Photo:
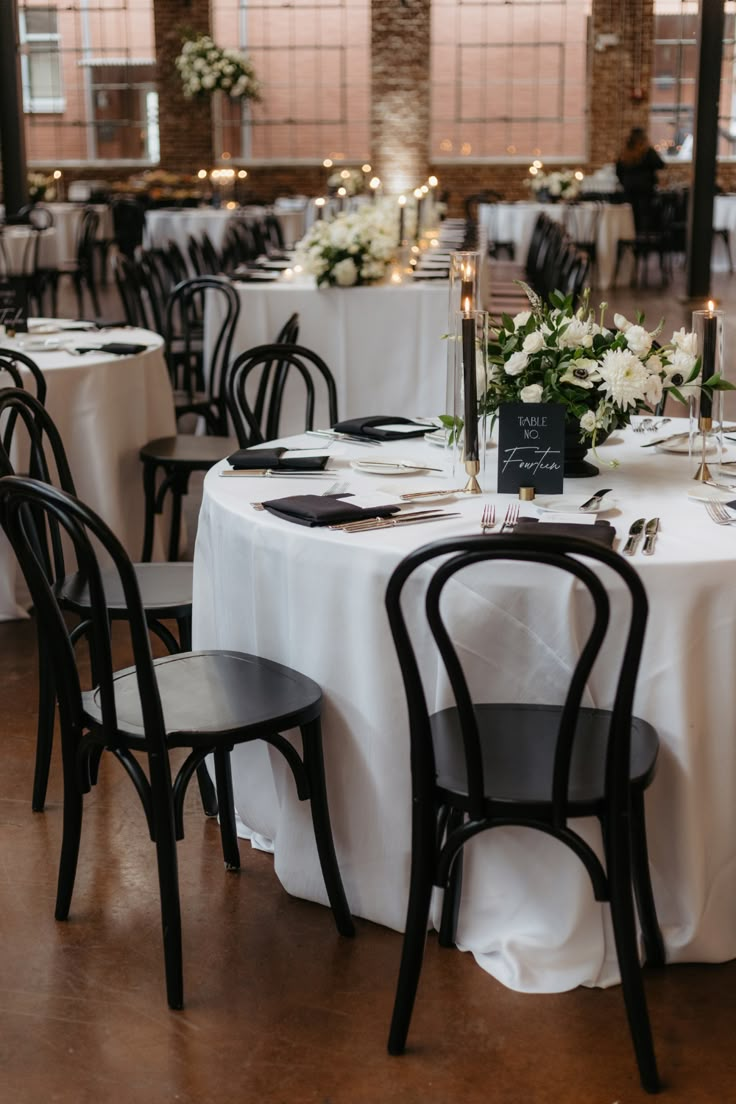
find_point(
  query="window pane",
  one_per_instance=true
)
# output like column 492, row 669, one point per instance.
column 509, row 79
column 40, row 21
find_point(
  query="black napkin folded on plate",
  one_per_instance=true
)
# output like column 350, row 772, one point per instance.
column 273, row 458
column 119, row 348
column 323, row 509
column 601, row 531
column 371, row 428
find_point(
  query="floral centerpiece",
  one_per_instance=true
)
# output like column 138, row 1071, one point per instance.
column 354, row 248
column 352, row 180
column 205, row 67
column 602, row 375
column 40, row 187
column 555, row 185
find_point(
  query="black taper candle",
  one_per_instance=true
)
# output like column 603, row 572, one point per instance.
column 470, row 387
column 708, row 367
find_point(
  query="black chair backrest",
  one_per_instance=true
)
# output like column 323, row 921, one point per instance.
column 176, row 263
column 255, row 385
column 137, row 308
column 46, row 462
column 156, row 286
column 128, row 220
column 183, row 333
column 210, row 255
column 11, row 362
column 25, row 501
column 273, row 232
column 289, row 332
column 579, row 560
column 87, row 238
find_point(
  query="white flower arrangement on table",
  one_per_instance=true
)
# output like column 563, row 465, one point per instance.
column 205, row 67
column 352, row 180
column 553, row 354
column 352, row 249
column 40, row 186
column 557, row 185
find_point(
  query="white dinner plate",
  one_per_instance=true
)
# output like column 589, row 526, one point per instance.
column 35, row 327
column 389, row 466
column 703, row 493
column 570, row 504
column 34, row 344
column 682, row 445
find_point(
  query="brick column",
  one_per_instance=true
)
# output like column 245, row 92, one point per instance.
column 185, row 126
column 620, row 75
column 400, row 99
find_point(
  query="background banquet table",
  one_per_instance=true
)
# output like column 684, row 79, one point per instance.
column 105, row 408
column 383, row 343
column 178, row 224
column 515, row 222
column 314, row 599
column 67, row 219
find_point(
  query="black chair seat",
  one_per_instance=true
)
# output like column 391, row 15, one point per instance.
column 518, row 744
column 191, row 452
column 206, row 693
column 165, row 589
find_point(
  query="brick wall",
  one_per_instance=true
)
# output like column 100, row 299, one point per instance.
column 618, row 99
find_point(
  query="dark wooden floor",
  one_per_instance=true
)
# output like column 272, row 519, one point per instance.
column 278, row 1007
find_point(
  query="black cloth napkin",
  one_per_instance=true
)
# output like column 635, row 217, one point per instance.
column 371, row 428
column 323, row 509
column 601, row 531
column 272, row 458
column 119, row 348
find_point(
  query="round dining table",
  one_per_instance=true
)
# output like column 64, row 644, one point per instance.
column 313, row 598
column 105, row 407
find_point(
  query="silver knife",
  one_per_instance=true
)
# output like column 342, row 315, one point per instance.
column 413, row 518
column 635, row 534
column 664, row 440
column 651, row 529
column 333, row 435
column 594, row 501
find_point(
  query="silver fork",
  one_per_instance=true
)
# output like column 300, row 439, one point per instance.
column 511, row 518
column 488, row 517
column 718, row 513
column 642, row 427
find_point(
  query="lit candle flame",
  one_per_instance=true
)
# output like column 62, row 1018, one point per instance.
column 467, row 305
column 711, row 306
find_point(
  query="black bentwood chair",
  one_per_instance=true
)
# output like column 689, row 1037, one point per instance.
column 478, row 765
column 203, row 701
column 165, row 589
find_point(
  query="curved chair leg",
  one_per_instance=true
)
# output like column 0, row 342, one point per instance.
column 632, row 982
column 72, row 826
column 415, row 933
column 645, row 906
column 168, row 878
column 315, row 768
column 228, row 833
column 453, row 890
column 45, row 731
column 149, row 491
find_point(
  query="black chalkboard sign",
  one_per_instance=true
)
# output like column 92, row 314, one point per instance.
column 531, row 447
column 13, row 307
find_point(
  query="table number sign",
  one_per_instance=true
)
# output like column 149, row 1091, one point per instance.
column 531, row 447
column 13, row 308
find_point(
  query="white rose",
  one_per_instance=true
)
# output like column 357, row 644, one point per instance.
column 532, row 393
column 638, row 340
column 516, row 364
column 574, row 335
column 345, row 272
column 208, row 81
column 654, row 364
column 688, row 342
column 533, row 342
column 339, row 234
column 588, row 421
column 521, row 319
column 621, row 323
column 653, row 390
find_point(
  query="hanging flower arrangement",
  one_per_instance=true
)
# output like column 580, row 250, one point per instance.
column 205, row 67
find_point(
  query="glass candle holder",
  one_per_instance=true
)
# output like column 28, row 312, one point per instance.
column 464, row 295
column 469, row 343
column 706, row 406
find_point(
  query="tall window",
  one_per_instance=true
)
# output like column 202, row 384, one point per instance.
column 313, row 60
column 89, row 89
column 674, row 75
column 509, row 80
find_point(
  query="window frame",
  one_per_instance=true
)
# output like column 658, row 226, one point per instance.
column 40, row 105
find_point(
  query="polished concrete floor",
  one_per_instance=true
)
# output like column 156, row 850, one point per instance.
column 279, row 1008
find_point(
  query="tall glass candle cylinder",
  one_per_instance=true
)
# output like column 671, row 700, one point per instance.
column 464, row 286
column 706, row 409
column 469, row 342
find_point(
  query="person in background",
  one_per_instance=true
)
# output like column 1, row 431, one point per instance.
column 637, row 169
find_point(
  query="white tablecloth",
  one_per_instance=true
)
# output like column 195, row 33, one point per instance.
column 18, row 250
column 178, row 224
column 515, row 222
column 724, row 218
column 105, row 407
column 314, row 599
column 67, row 219
column 382, row 343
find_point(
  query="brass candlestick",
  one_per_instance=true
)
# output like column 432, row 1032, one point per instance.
column 472, row 467
column 703, row 473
